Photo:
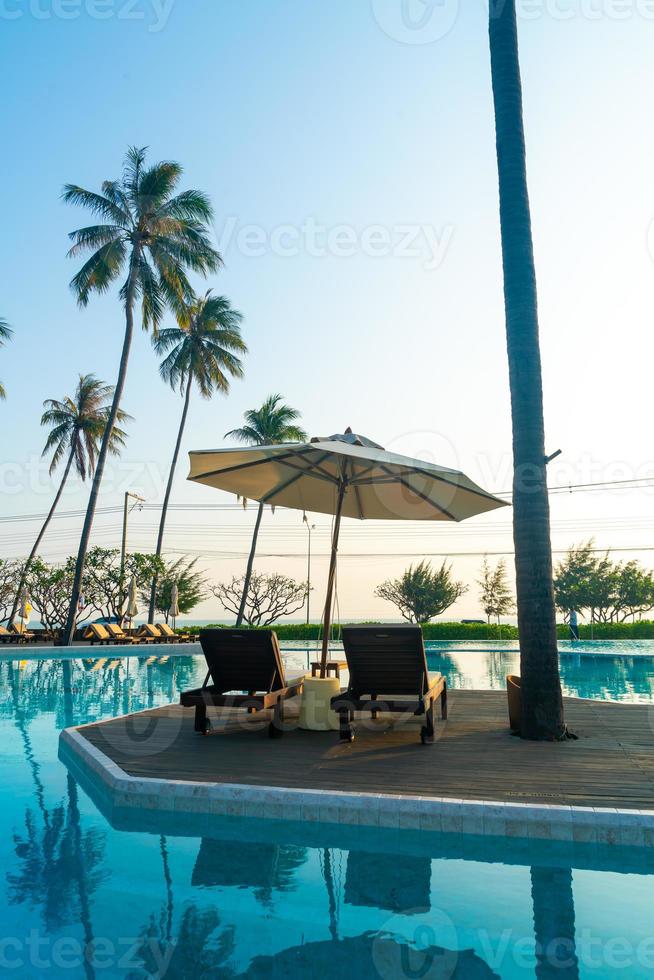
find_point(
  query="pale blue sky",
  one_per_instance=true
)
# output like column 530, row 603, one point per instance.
column 293, row 114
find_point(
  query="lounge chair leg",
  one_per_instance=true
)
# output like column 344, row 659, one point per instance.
column 444, row 703
column 276, row 726
column 375, row 714
column 427, row 731
column 202, row 723
column 346, row 731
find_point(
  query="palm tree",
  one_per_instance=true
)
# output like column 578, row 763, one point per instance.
column 5, row 334
column 269, row 425
column 201, row 349
column 77, row 426
column 542, row 703
column 153, row 237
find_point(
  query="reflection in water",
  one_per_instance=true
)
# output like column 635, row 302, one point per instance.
column 554, row 924
column 260, row 866
column 369, row 955
column 381, row 881
column 214, row 907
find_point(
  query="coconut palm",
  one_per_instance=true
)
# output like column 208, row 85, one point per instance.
column 271, row 424
column 542, row 703
column 5, row 334
column 153, row 237
column 77, row 426
column 203, row 350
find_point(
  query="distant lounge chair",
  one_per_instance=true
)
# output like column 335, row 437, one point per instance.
column 9, row 637
column 388, row 664
column 172, row 636
column 149, row 631
column 246, row 661
column 99, row 633
column 118, row 634
column 96, row 633
column 20, row 630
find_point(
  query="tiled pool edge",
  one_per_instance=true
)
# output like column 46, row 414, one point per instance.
column 536, row 821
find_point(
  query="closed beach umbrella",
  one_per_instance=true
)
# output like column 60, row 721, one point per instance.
column 347, row 476
column 25, row 608
column 174, row 603
column 132, row 608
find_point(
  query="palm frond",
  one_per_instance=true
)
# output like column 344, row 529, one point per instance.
column 97, row 274
column 93, row 237
column 97, row 203
column 5, row 331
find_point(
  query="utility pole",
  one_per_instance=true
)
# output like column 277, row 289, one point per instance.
column 310, row 528
column 138, row 502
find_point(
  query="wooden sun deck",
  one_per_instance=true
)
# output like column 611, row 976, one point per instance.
column 474, row 758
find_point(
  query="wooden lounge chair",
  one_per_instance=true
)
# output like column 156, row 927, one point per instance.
column 118, row 634
column 169, row 634
column 148, row 631
column 96, row 633
column 20, row 630
column 387, row 664
column 7, row 637
column 246, row 670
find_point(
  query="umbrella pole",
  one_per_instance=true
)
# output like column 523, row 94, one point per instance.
column 327, row 619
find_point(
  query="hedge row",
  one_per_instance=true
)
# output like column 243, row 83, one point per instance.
column 643, row 630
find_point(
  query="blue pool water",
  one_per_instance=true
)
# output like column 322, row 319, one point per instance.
column 168, row 898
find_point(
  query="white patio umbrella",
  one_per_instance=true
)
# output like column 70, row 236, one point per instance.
column 174, row 603
column 347, row 476
column 132, row 608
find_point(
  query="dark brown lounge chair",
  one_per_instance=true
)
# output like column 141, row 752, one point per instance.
column 246, row 671
column 388, row 672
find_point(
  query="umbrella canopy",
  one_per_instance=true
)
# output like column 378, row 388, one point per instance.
column 308, row 476
column 132, row 608
column 174, row 601
column 344, row 475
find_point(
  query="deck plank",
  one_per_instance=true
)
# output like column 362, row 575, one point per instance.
column 475, row 757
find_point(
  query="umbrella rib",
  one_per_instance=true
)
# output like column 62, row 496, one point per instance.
column 357, row 494
column 423, row 496
column 289, row 483
column 459, row 486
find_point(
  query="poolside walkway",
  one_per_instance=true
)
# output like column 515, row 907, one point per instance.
column 474, row 759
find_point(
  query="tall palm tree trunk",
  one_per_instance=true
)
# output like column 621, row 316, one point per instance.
column 248, row 570
column 169, row 487
column 542, row 703
column 69, row 630
column 44, row 527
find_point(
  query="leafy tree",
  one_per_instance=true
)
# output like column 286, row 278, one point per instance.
column 269, row 597
column 49, row 589
column 77, row 426
column 152, row 236
column 5, row 335
column 422, row 593
column 190, row 587
column 203, row 349
column 103, row 587
column 607, row 591
column 496, row 596
column 635, row 591
column 10, row 574
column 272, row 424
column 542, row 700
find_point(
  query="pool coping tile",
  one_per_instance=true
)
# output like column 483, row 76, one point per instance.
column 601, row 825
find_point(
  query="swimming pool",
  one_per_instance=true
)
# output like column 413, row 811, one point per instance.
column 247, row 899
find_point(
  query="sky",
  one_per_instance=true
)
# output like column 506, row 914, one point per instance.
column 348, row 149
